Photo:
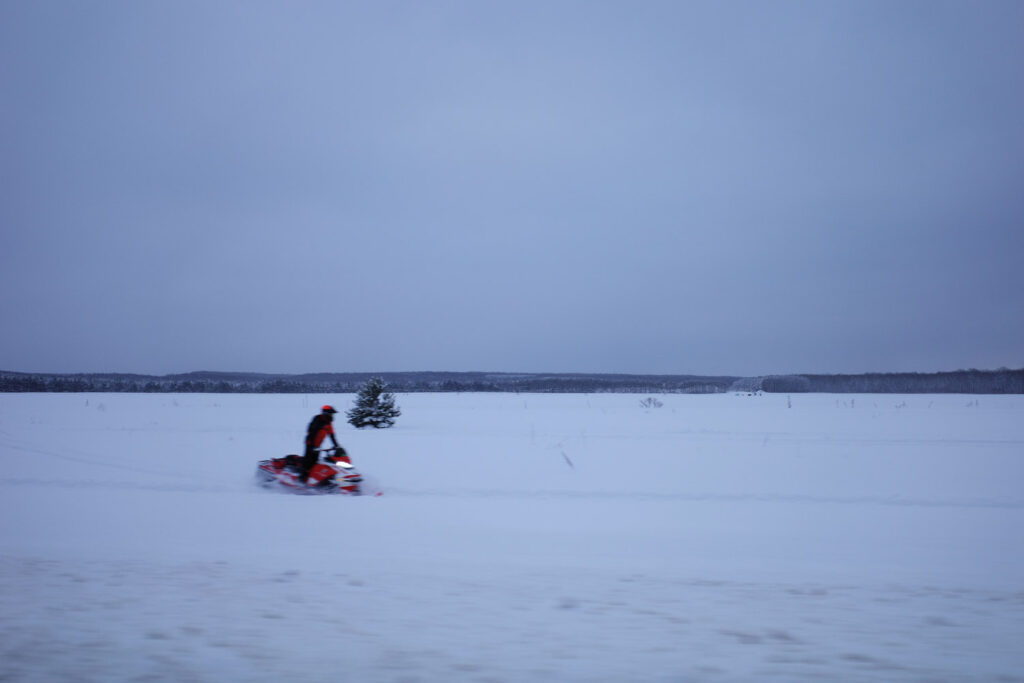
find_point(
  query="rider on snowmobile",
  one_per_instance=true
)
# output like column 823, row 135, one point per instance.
column 320, row 427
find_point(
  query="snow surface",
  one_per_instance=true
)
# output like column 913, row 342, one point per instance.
column 519, row 538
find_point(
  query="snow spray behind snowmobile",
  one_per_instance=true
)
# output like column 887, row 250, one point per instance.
column 332, row 473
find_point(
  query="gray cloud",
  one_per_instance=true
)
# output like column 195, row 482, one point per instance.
column 666, row 187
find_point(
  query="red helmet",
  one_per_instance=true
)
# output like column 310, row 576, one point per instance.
column 329, row 409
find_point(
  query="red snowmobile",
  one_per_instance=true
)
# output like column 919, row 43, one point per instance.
column 333, row 473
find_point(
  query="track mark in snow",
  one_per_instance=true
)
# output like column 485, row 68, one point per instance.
column 94, row 460
column 714, row 498
column 119, row 485
column 764, row 437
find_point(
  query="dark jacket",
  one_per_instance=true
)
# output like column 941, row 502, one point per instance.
column 319, row 429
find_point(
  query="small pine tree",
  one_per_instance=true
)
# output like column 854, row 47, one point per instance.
column 375, row 406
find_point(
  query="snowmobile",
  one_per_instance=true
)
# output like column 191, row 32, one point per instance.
column 332, row 473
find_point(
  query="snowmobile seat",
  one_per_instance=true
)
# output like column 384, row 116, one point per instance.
column 291, row 462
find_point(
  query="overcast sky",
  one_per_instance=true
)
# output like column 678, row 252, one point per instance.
column 637, row 186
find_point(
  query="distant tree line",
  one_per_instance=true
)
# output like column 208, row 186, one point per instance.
column 1002, row 381
column 341, row 383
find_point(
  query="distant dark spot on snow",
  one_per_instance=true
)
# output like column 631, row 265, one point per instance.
column 287, row 576
column 743, row 638
column 869, row 662
column 781, row 636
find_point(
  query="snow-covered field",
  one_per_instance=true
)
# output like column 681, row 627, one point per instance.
column 519, row 538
